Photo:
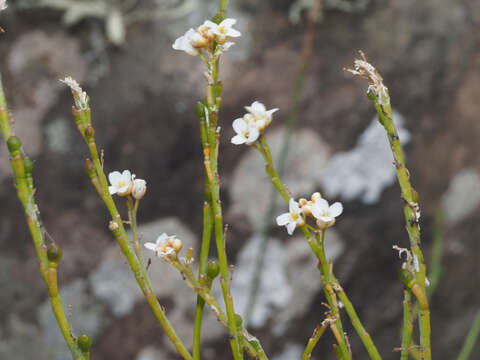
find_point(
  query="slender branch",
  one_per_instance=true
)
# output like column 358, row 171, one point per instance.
column 379, row 95
column 83, row 120
column 22, row 172
column 407, row 324
column 306, row 55
column 249, row 343
column 312, row 342
column 471, row 339
column 264, row 149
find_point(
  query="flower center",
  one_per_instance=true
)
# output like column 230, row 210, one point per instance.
column 222, row 29
column 121, row 184
column 294, row 216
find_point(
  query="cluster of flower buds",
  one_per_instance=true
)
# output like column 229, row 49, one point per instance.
column 317, row 208
column 252, row 124
column 210, row 36
column 125, row 183
column 167, row 246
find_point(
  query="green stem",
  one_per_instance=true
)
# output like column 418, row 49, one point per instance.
column 307, row 48
column 25, row 193
column 312, row 342
column 357, row 324
column 223, row 8
column 211, row 167
column 471, row 339
column 277, row 183
column 411, row 209
column 407, row 325
column 206, row 236
column 116, row 226
column 132, row 218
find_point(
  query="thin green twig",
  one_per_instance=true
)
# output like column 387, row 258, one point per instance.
column 306, row 55
column 471, row 339
column 25, row 192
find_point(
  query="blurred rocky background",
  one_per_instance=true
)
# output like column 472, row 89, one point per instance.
column 143, row 97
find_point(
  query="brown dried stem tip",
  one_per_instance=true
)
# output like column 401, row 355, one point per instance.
column 364, row 69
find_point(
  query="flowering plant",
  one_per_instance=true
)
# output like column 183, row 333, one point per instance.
column 313, row 217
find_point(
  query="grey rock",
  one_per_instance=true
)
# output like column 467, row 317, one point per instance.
column 22, row 341
column 289, row 352
column 251, row 188
column 462, row 196
column 366, row 170
column 289, row 276
column 151, row 353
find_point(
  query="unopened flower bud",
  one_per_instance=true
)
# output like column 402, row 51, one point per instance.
column 89, row 168
column 89, row 132
column 175, row 244
column 139, row 188
column 213, row 269
column 113, row 226
column 84, row 343
column 316, row 196
column 302, row 202
column 13, row 144
column 54, row 253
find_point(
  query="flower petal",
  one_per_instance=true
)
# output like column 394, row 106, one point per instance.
column 270, row 112
column 291, row 227
column 126, row 175
column 239, row 125
column 319, row 208
column 253, row 134
column 229, row 22
column 112, row 190
column 238, row 140
column 150, row 246
column 114, row 177
column 293, row 206
column 283, row 219
column 336, row 209
column 162, row 238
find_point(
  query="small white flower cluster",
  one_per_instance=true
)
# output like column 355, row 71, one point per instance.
column 166, row 246
column 3, row 5
column 80, row 97
column 366, row 70
column 124, row 184
column 252, row 124
column 210, row 36
column 317, row 208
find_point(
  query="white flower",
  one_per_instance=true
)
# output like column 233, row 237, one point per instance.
column 120, row 183
column 326, row 214
column 191, row 42
column 165, row 246
column 223, row 30
column 259, row 115
column 292, row 218
column 139, row 188
column 246, row 133
column 79, row 96
column 3, row 5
